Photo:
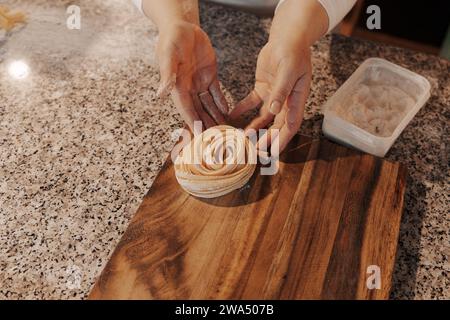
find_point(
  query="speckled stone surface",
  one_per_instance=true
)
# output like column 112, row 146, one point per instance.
column 83, row 136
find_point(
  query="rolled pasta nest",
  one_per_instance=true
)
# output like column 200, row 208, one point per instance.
column 216, row 162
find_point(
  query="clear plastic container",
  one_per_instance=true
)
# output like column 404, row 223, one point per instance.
column 374, row 72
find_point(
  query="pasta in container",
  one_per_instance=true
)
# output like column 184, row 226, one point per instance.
column 371, row 109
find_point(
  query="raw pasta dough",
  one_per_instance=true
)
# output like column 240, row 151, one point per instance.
column 216, row 162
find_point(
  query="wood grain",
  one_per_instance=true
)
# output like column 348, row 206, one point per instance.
column 308, row 232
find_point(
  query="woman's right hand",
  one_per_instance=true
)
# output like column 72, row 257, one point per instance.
column 188, row 70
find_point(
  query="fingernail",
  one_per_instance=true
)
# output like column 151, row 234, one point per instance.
column 164, row 90
column 160, row 91
column 166, row 87
column 275, row 107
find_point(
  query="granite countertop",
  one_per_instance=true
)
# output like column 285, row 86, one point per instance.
column 83, row 136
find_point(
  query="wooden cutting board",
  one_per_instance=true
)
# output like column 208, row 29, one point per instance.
column 309, row 232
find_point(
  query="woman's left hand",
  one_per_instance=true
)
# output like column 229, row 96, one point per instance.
column 283, row 72
column 283, row 79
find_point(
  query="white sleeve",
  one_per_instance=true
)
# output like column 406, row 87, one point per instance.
column 336, row 10
column 138, row 4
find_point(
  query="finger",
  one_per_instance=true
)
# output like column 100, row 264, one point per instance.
column 262, row 120
column 168, row 67
column 266, row 140
column 250, row 102
column 284, row 83
column 211, row 108
column 297, row 100
column 208, row 122
column 281, row 141
column 218, row 97
column 186, row 108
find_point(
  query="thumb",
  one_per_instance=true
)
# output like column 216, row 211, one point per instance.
column 168, row 67
column 284, row 83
